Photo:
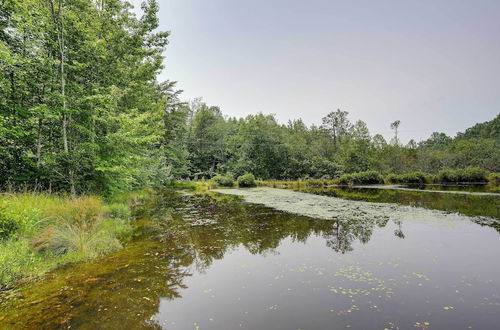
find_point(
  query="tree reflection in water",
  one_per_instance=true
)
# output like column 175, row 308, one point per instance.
column 178, row 236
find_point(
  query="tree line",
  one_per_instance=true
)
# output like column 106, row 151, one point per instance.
column 259, row 144
column 82, row 110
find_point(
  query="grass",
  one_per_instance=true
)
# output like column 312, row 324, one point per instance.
column 39, row 232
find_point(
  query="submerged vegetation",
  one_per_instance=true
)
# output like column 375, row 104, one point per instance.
column 39, row 232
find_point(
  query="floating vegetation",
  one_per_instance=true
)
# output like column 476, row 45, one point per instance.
column 329, row 208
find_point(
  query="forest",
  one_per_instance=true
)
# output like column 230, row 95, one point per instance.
column 82, row 111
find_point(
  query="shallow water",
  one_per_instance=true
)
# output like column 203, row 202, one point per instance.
column 216, row 262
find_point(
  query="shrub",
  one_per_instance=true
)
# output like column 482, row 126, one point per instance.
column 346, row 179
column 413, row 177
column 246, row 180
column 447, row 175
column 368, row 177
column 393, row 178
column 494, row 178
column 470, row 174
column 474, row 174
column 223, row 180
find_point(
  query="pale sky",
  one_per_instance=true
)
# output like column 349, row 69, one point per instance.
column 432, row 64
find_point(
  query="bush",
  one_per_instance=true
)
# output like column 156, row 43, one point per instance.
column 470, row 174
column 447, row 175
column 368, row 177
column 474, row 174
column 346, row 179
column 412, row 177
column 246, row 180
column 223, row 180
column 494, row 178
column 393, row 178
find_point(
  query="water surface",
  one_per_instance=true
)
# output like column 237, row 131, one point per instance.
column 217, row 262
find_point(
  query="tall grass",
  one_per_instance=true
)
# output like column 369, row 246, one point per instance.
column 39, row 232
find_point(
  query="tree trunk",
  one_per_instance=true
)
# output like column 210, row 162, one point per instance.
column 39, row 143
column 60, row 25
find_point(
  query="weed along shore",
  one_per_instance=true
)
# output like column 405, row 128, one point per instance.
column 41, row 232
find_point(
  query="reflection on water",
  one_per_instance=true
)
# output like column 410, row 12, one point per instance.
column 214, row 262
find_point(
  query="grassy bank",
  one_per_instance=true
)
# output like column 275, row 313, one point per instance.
column 39, row 232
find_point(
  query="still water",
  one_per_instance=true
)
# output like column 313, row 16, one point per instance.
column 218, row 262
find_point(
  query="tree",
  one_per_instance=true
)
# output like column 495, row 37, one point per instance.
column 395, row 127
column 336, row 124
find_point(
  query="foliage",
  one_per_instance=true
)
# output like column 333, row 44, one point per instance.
column 494, row 178
column 80, row 108
column 246, row 180
column 223, row 180
column 368, row 177
column 412, row 177
column 470, row 174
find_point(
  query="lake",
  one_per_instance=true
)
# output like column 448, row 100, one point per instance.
column 329, row 258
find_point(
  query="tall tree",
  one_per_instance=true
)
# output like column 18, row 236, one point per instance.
column 337, row 124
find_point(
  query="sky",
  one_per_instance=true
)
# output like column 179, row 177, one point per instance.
column 432, row 64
